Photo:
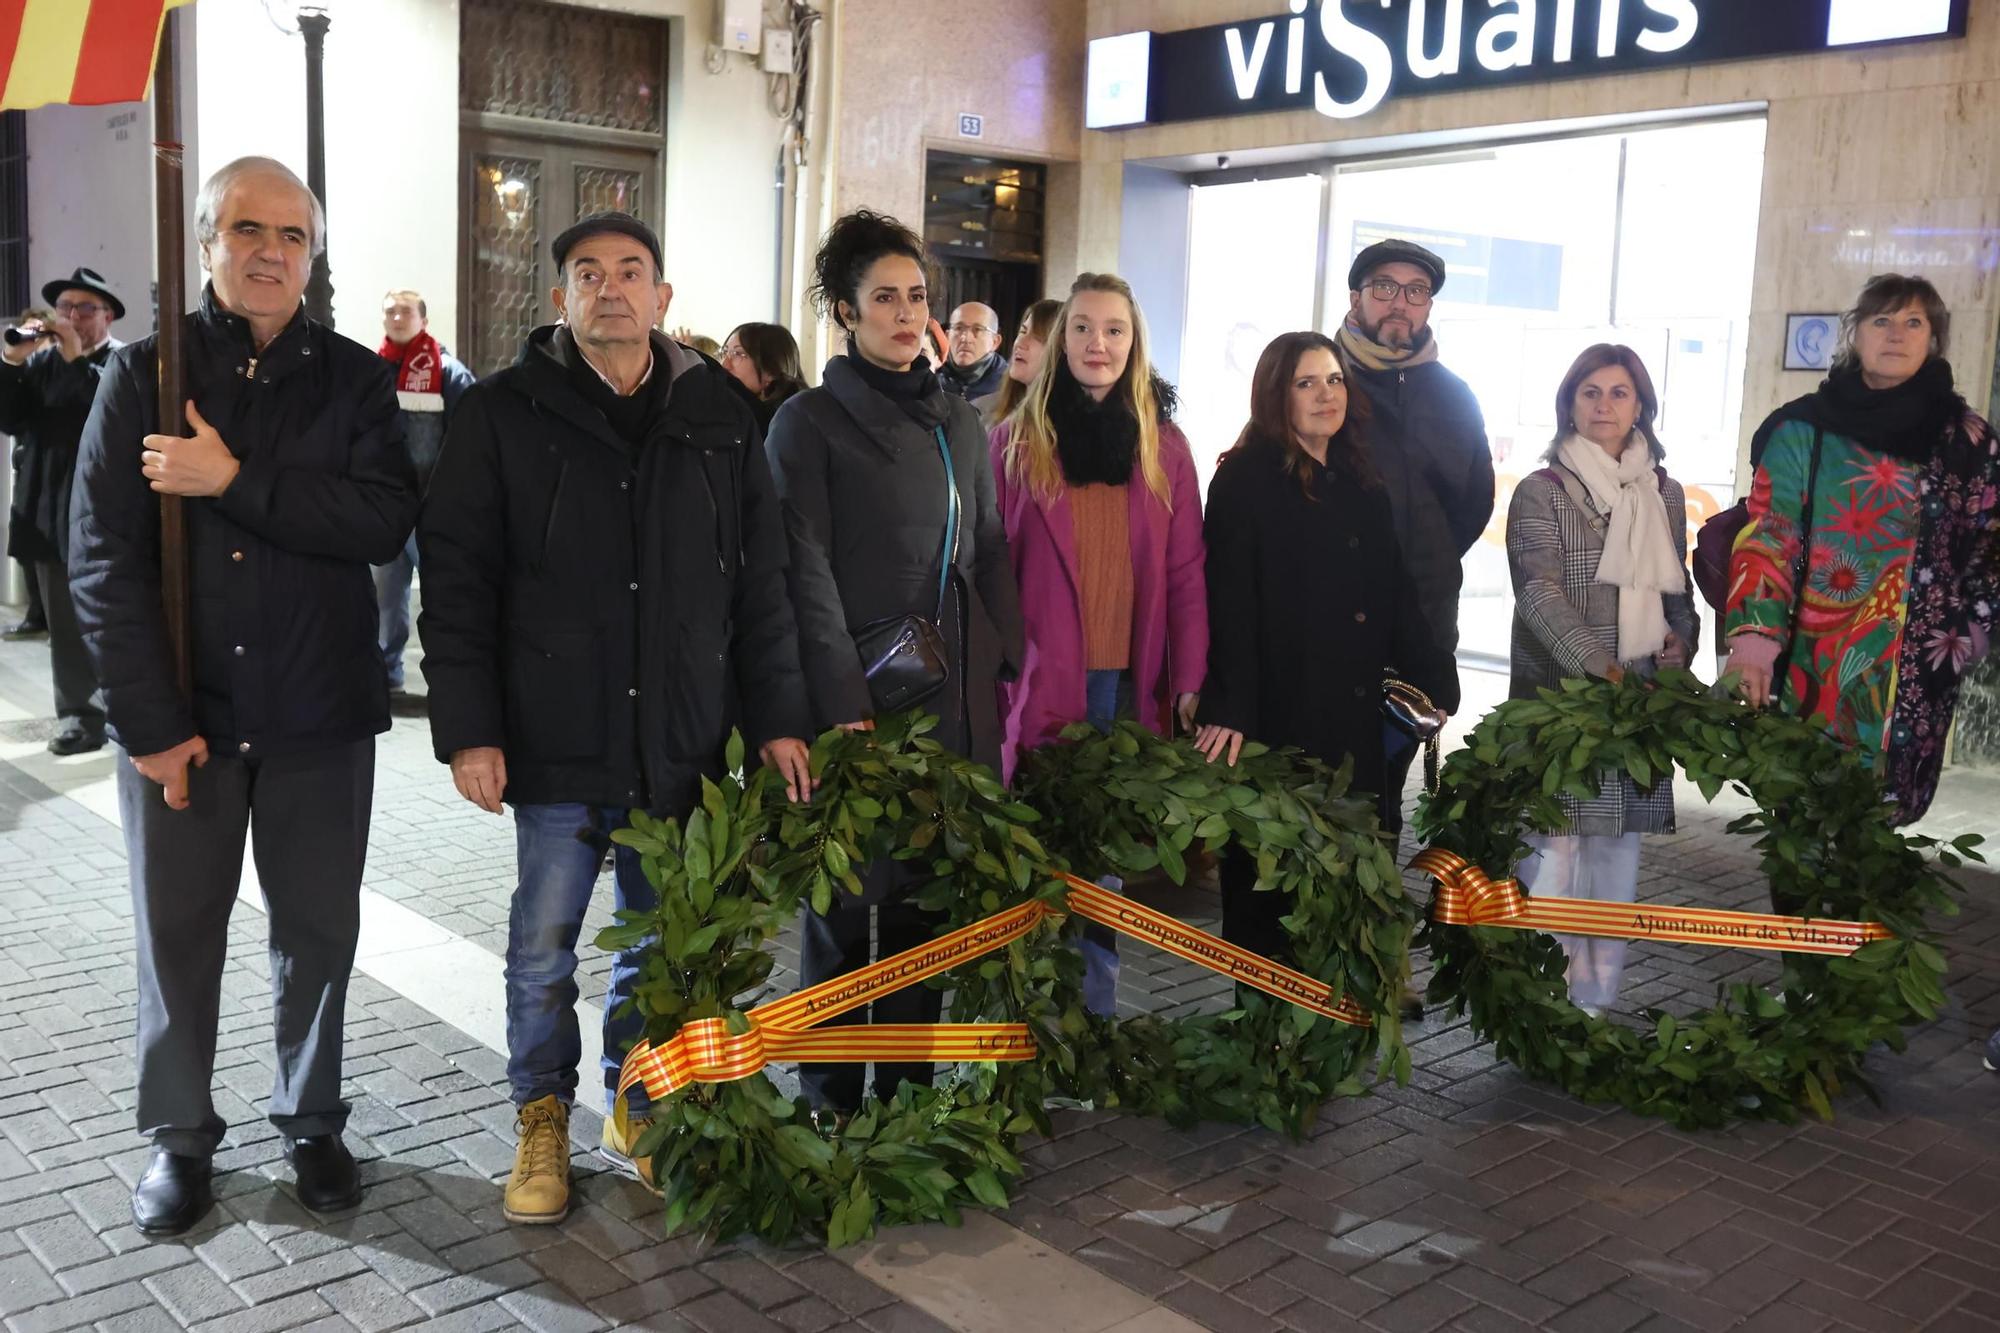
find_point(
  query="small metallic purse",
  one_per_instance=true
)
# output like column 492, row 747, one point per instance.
column 1410, row 711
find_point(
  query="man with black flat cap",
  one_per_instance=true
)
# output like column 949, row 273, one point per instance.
column 46, row 386
column 1428, row 440
column 604, row 600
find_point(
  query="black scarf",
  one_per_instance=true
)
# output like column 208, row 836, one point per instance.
column 629, row 416
column 909, row 389
column 1094, row 441
column 972, row 374
column 1911, row 421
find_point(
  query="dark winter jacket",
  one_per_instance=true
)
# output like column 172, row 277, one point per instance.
column 1309, row 606
column 605, row 613
column 1428, row 441
column 426, row 417
column 865, row 504
column 976, row 380
column 43, row 404
column 283, row 605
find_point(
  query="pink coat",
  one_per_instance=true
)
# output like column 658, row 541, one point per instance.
column 1169, row 600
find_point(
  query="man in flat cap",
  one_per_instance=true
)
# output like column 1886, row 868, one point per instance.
column 604, row 600
column 47, row 382
column 294, row 481
column 1428, row 439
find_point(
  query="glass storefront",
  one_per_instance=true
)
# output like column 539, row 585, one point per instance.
column 1642, row 237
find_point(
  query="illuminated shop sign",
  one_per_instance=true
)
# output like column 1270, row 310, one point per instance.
column 1345, row 58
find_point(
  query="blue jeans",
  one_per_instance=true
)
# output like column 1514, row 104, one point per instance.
column 1107, row 696
column 560, row 849
column 392, row 604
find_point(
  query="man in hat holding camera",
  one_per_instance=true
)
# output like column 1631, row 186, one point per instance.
column 1428, row 440
column 48, row 377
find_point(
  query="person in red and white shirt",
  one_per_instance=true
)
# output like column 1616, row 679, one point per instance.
column 428, row 383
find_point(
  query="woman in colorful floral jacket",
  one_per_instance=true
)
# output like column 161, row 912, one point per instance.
column 1892, row 478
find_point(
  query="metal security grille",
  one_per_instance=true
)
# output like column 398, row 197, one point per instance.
column 562, row 114
column 506, row 240
column 563, row 63
column 599, row 188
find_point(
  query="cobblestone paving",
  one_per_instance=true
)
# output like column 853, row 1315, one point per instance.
column 1471, row 1200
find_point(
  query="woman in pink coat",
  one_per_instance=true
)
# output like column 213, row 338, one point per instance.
column 1098, row 493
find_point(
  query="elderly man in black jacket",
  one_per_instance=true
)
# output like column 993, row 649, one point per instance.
column 296, row 482
column 1428, row 440
column 47, row 382
column 604, row 599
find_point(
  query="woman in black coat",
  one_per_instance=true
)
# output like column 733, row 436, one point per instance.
column 763, row 361
column 864, row 480
column 1310, row 603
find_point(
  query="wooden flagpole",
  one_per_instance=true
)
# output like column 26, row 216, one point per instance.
column 170, row 259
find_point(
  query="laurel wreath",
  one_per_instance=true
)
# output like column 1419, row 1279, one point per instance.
column 1825, row 841
column 739, row 1156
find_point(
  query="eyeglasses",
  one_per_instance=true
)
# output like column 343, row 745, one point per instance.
column 957, row 329
column 71, row 309
column 730, row 352
column 1388, row 289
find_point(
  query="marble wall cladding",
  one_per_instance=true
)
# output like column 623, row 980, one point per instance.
column 1976, row 734
column 908, row 71
column 1886, row 159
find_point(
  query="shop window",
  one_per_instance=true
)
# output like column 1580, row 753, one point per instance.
column 983, row 227
column 1253, row 247
column 1645, row 238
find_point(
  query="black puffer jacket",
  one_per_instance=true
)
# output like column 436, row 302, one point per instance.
column 865, row 504
column 1428, row 441
column 605, row 614
column 284, row 618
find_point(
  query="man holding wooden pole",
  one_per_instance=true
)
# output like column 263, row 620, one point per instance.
column 293, row 481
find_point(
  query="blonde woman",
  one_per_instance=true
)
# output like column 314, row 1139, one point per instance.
column 1102, row 510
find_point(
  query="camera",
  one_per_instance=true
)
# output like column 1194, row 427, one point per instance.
column 16, row 336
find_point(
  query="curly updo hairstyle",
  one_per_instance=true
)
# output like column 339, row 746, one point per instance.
column 851, row 245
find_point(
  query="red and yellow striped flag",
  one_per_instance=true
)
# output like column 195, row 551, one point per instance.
column 81, row 52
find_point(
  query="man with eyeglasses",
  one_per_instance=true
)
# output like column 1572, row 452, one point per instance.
column 974, row 366
column 47, row 381
column 1428, row 440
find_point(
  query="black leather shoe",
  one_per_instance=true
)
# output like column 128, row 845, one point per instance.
column 26, row 629
column 172, row 1195
column 328, row 1180
column 76, row 739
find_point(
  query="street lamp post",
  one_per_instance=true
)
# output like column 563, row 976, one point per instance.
column 313, row 23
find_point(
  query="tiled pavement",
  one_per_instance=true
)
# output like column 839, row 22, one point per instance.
column 1470, row 1200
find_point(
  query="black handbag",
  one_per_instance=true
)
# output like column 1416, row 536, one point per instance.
column 904, row 657
column 1410, row 711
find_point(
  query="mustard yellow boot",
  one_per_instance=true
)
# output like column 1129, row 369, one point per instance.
column 621, row 1134
column 538, row 1190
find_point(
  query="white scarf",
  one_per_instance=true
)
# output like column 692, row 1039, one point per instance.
column 1639, row 553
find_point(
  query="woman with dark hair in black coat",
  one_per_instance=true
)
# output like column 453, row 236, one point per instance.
column 763, row 361
column 867, row 465
column 1310, row 603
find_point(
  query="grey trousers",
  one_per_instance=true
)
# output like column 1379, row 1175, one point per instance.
column 306, row 816
column 77, row 697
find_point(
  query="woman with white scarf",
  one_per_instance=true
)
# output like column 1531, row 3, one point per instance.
column 1597, row 545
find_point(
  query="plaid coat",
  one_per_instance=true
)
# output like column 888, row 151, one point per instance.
column 1566, row 625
